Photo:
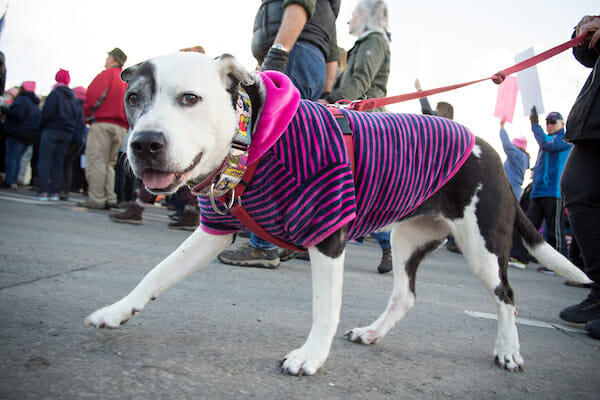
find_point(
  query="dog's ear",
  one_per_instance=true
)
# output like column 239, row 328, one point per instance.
column 127, row 73
column 232, row 72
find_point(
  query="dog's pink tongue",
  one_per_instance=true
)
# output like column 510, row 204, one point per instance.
column 157, row 179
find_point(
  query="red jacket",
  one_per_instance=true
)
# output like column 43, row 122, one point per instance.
column 104, row 98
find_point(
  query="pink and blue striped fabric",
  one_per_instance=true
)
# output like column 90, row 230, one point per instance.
column 303, row 190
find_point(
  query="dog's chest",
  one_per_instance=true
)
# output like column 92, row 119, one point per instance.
column 304, row 189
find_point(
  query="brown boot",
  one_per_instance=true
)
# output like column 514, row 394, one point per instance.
column 386, row 262
column 131, row 215
column 189, row 220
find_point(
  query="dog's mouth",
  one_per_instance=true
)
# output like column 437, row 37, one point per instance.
column 158, row 181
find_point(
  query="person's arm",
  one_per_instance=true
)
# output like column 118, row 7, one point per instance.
column 95, row 94
column 425, row 106
column 293, row 20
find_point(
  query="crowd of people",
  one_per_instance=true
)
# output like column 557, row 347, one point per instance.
column 298, row 38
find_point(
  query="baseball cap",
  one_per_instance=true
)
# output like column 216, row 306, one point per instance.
column 555, row 115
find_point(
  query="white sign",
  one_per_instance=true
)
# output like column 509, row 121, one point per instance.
column 529, row 85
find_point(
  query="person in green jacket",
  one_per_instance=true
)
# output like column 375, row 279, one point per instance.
column 366, row 77
column 368, row 69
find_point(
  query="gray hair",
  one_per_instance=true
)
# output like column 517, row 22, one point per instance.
column 376, row 13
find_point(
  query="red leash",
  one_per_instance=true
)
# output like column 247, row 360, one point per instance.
column 497, row 78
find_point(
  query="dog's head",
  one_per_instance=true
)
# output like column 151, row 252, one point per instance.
column 181, row 111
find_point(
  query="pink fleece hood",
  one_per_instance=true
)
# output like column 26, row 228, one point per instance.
column 281, row 102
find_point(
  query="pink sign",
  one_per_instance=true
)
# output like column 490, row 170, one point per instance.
column 507, row 99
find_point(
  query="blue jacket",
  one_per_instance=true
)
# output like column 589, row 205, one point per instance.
column 550, row 163
column 62, row 111
column 517, row 162
column 23, row 115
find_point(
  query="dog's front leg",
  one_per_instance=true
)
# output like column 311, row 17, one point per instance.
column 194, row 253
column 327, row 277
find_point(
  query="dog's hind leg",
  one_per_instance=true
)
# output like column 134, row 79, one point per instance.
column 327, row 264
column 485, row 242
column 411, row 241
column 194, row 253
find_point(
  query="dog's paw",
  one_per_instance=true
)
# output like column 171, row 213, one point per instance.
column 510, row 362
column 301, row 362
column 363, row 335
column 111, row 316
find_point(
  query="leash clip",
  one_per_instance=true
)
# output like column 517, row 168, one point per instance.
column 213, row 203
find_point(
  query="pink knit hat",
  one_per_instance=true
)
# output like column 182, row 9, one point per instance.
column 520, row 142
column 62, row 76
column 80, row 92
column 29, row 86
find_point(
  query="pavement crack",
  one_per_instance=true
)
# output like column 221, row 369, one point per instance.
column 51, row 276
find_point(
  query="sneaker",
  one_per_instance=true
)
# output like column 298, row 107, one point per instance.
column 587, row 310
column 513, row 262
column 386, row 262
column 53, row 197
column 287, row 254
column 131, row 215
column 593, row 328
column 41, row 197
column 189, row 221
column 248, row 256
column 545, row 270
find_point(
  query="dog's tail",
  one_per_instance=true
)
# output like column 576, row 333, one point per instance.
column 543, row 252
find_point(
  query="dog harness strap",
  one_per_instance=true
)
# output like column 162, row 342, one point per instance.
column 344, row 124
column 238, row 211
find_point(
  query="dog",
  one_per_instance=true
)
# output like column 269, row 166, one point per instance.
column 182, row 112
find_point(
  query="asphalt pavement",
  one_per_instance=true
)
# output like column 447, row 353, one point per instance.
column 220, row 333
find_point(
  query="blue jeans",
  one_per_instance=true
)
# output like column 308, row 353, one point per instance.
column 53, row 148
column 12, row 159
column 383, row 238
column 306, row 69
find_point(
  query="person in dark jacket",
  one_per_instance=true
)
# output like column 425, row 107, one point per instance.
column 62, row 119
column 296, row 37
column 21, row 129
column 580, row 183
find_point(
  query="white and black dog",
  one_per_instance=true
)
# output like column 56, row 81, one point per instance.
column 181, row 108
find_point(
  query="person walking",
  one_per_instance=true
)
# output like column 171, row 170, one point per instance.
column 62, row 119
column 580, row 182
column 105, row 112
column 297, row 38
column 21, row 128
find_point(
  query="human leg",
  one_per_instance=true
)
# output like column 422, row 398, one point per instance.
column 580, row 186
column 97, row 158
column 14, row 151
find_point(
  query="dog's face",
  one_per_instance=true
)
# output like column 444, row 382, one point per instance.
column 180, row 111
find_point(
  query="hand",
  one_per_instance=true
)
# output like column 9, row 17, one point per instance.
column 275, row 60
column 533, row 117
column 589, row 24
column 418, row 85
column 502, row 121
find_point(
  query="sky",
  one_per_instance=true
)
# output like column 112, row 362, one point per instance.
column 439, row 42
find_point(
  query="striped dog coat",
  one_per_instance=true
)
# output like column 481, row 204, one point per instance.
column 303, row 189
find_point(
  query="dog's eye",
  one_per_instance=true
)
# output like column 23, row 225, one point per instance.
column 188, row 99
column 132, row 99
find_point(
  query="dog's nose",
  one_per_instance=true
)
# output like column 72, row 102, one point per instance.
column 148, row 143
